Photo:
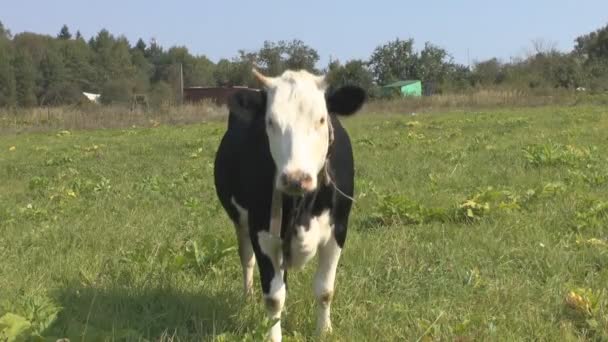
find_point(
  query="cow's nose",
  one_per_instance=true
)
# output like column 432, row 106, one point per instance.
column 296, row 181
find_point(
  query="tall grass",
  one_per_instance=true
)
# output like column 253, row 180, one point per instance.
column 482, row 99
column 91, row 116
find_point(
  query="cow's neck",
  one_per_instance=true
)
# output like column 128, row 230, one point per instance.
column 276, row 213
column 299, row 202
column 324, row 178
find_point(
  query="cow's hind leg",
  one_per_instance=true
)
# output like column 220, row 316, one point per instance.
column 329, row 255
column 245, row 249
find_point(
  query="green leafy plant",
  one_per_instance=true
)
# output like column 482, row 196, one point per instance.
column 588, row 308
column 29, row 319
column 14, row 328
column 552, row 154
column 193, row 257
column 398, row 209
column 593, row 214
column 149, row 183
column 544, row 155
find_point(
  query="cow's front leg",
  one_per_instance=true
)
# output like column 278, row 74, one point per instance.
column 247, row 258
column 272, row 278
column 325, row 277
column 245, row 247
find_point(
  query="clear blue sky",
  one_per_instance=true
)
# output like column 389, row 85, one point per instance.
column 342, row 29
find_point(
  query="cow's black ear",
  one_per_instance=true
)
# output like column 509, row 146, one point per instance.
column 248, row 104
column 346, row 100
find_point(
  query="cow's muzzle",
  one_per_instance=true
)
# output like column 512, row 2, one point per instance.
column 296, row 183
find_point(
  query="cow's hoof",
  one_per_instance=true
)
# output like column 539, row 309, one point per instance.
column 248, row 293
column 325, row 329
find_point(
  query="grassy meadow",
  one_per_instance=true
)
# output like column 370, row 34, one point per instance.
column 468, row 226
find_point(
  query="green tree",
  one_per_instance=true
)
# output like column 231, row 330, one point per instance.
column 64, row 33
column 241, row 74
column 596, row 74
column 236, row 72
column 200, row 72
column 155, row 55
column 53, row 83
column 36, row 45
column 112, row 57
column 4, row 32
column 271, row 58
column 274, row 58
column 222, row 72
column 593, row 45
column 144, row 70
column 77, row 56
column 488, row 72
column 393, row 61
column 25, row 78
column 161, row 93
column 7, row 77
column 458, row 78
column 141, row 45
column 555, row 69
column 118, row 91
column 197, row 70
column 300, row 56
column 432, row 66
column 7, row 84
column 592, row 49
column 53, row 79
column 354, row 72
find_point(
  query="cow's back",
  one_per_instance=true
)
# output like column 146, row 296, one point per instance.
column 227, row 162
column 244, row 170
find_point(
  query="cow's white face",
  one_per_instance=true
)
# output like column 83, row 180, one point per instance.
column 294, row 110
column 298, row 131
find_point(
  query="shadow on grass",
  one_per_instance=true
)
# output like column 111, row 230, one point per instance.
column 90, row 313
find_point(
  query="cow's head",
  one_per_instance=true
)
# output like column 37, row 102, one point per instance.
column 295, row 111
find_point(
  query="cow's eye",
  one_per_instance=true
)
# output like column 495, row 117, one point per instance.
column 322, row 121
column 270, row 123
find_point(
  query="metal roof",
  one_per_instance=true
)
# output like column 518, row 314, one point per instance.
column 400, row 83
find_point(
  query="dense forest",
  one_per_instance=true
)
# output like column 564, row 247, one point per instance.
column 42, row 70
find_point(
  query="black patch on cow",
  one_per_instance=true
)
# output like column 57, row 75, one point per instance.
column 248, row 104
column 346, row 100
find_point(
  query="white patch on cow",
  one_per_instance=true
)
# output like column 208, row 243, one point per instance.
column 245, row 249
column 275, row 301
column 325, row 277
column 271, row 246
column 304, row 243
column 296, row 124
column 304, row 246
column 243, row 213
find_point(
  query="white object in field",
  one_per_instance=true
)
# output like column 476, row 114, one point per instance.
column 92, row 97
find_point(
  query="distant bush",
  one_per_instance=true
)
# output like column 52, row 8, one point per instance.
column 117, row 92
column 161, row 93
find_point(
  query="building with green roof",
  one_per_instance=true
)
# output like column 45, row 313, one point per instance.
column 405, row 88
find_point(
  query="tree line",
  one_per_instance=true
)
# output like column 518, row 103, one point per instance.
column 42, row 70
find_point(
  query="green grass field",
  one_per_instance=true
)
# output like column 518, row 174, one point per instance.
column 470, row 226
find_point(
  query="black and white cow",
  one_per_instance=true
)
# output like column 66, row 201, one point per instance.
column 284, row 174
